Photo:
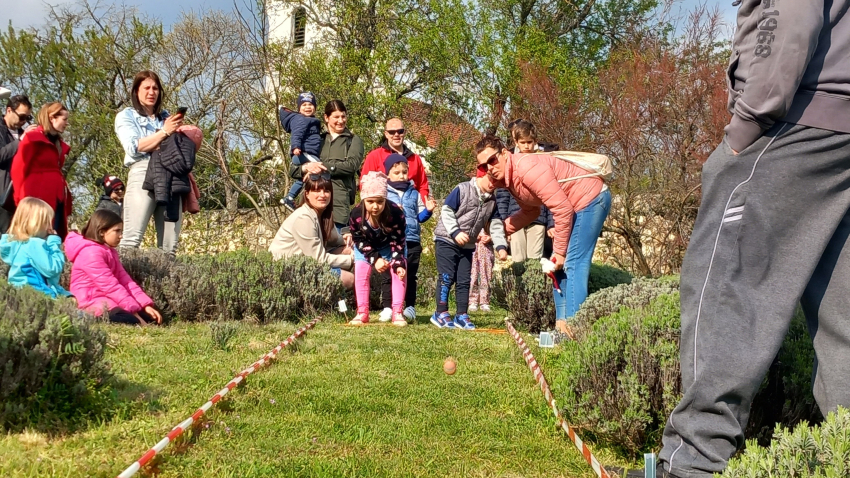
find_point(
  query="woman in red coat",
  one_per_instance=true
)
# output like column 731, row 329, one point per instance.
column 37, row 166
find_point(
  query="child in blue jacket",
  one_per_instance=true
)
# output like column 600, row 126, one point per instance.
column 402, row 191
column 306, row 138
column 33, row 250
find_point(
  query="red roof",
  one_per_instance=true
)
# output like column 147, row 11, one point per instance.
column 423, row 121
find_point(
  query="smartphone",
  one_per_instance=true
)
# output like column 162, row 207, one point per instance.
column 182, row 110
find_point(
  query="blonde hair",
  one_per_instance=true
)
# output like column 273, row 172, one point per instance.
column 33, row 218
column 46, row 113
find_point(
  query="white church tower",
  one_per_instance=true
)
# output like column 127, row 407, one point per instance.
column 289, row 25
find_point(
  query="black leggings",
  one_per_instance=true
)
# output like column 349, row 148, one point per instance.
column 121, row 316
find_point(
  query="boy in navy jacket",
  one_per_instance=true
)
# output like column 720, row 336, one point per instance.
column 306, row 139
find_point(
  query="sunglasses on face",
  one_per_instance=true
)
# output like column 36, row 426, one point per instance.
column 492, row 160
column 393, row 132
column 315, row 177
column 24, row 118
column 118, row 190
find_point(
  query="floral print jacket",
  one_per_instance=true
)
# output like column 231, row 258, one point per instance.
column 370, row 241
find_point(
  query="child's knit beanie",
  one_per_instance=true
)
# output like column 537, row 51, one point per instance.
column 373, row 185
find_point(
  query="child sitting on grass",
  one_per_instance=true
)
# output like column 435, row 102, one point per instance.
column 305, row 140
column 401, row 190
column 98, row 279
column 378, row 231
column 465, row 213
column 33, row 250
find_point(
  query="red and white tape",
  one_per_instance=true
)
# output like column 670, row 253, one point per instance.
column 180, row 428
column 544, row 387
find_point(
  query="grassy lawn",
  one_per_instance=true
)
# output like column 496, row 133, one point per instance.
column 344, row 401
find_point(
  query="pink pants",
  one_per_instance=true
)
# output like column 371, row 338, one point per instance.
column 362, row 271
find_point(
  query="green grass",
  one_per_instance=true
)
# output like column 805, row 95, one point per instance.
column 344, row 401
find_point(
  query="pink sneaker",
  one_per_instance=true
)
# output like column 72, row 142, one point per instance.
column 399, row 320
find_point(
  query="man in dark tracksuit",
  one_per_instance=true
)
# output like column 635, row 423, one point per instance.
column 17, row 114
column 772, row 230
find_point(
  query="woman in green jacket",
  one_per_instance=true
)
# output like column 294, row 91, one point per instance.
column 342, row 156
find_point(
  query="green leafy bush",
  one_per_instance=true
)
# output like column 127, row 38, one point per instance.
column 621, row 379
column 526, row 292
column 52, row 371
column 807, row 451
column 221, row 333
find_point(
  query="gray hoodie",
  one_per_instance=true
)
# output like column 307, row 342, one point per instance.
column 790, row 62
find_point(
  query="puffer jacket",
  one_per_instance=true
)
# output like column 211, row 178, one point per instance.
column 99, row 281
column 468, row 209
column 508, row 206
column 35, row 262
column 535, row 183
column 370, row 241
column 107, row 203
column 305, row 131
column 414, row 209
column 168, row 173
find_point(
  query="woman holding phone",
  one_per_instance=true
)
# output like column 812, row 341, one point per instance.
column 140, row 129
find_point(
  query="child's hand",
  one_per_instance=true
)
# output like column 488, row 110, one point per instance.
column 141, row 320
column 551, row 233
column 401, row 272
column 296, row 152
column 503, row 255
column 430, row 203
column 381, row 265
column 462, row 238
column 349, row 241
column 484, row 238
column 151, row 311
column 51, row 231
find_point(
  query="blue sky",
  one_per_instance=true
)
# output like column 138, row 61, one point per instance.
column 25, row 13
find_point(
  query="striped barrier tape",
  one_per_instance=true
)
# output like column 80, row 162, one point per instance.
column 185, row 424
column 550, row 399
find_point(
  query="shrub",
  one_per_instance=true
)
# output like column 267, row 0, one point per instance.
column 621, row 377
column 52, row 370
column 622, row 380
column 253, row 286
column 151, row 269
column 526, row 292
column 819, row 451
column 221, row 333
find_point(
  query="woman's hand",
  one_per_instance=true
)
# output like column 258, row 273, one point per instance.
column 349, row 241
column 401, row 272
column 558, row 259
column 381, row 265
column 313, row 168
column 151, row 311
column 172, row 123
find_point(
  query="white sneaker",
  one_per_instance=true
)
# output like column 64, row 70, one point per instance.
column 485, row 307
column 473, row 308
column 386, row 315
column 410, row 312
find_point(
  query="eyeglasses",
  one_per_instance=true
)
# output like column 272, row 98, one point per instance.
column 393, row 132
column 315, row 177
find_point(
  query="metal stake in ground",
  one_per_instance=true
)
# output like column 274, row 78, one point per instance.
column 182, row 426
column 550, row 400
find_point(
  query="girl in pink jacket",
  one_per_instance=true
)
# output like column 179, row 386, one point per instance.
column 98, row 280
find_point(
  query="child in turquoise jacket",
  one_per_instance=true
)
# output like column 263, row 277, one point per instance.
column 33, row 250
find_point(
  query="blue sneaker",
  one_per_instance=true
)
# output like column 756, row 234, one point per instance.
column 462, row 322
column 442, row 321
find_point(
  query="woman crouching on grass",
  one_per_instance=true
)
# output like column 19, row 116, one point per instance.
column 99, row 281
column 310, row 230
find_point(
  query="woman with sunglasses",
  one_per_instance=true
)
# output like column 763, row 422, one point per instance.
column 310, row 230
column 579, row 202
column 341, row 156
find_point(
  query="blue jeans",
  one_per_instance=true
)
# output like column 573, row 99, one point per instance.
column 587, row 225
column 386, row 253
column 300, row 160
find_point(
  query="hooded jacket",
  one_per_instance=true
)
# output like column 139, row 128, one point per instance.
column 99, row 281
column 343, row 157
column 35, row 262
column 305, row 131
column 788, row 63
column 375, row 162
column 535, row 183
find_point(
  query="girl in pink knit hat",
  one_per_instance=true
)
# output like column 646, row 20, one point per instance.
column 378, row 231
